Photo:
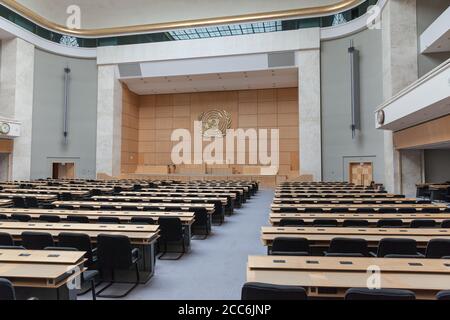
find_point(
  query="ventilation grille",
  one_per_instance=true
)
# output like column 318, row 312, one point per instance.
column 130, row 70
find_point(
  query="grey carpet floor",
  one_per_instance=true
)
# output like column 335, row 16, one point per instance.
column 215, row 268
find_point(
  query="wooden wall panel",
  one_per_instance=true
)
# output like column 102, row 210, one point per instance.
column 426, row 134
column 6, row 146
column 152, row 118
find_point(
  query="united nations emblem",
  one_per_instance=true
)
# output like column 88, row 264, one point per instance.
column 215, row 123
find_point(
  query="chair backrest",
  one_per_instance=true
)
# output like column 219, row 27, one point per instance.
column 349, row 246
column 438, row 248
column 387, row 210
column 108, row 208
column 407, row 210
column 21, row 217
column 49, row 218
column 6, row 239
column 96, row 192
column 263, row 291
column 445, row 224
column 142, row 220
column 80, row 241
column 431, row 210
column 285, row 244
column 109, row 220
column 378, row 294
column 170, row 228
column 365, row 210
column 314, row 210
column 3, row 217
column 32, row 202
column 389, row 246
column 66, row 196
column 7, row 291
column 78, row 219
column 325, row 223
column 423, row 223
column 201, row 216
column 389, row 223
column 339, row 210
column 443, row 295
column 355, row 223
column 292, row 222
column 114, row 251
column 288, row 209
column 37, row 240
column 19, row 202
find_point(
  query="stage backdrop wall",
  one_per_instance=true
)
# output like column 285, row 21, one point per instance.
column 148, row 122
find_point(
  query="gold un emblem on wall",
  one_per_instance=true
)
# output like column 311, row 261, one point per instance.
column 215, row 123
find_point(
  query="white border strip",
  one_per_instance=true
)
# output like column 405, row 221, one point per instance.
column 53, row 47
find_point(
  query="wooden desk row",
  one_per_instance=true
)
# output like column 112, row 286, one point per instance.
column 350, row 200
column 306, row 195
column 38, row 196
column 5, row 202
column 44, row 274
column 78, row 193
column 322, row 236
column 329, row 277
column 275, row 218
column 354, row 207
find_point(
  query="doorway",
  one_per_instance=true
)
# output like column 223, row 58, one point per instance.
column 4, row 166
column 361, row 173
column 63, row 170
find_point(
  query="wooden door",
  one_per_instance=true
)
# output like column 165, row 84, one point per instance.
column 361, row 173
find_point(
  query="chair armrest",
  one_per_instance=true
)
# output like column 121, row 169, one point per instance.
column 135, row 255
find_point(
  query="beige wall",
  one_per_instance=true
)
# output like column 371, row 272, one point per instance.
column 159, row 115
column 130, row 130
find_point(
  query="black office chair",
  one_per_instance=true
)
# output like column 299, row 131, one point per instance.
column 365, row 210
column 431, row 210
column 443, row 295
column 3, row 217
column 438, row 248
column 171, row 230
column 355, row 223
column 313, row 210
column 407, row 210
column 21, row 217
column 130, row 208
column 347, row 247
column 66, row 207
column 66, row 196
column 115, row 252
column 327, row 223
column 389, row 223
column 7, row 291
column 85, row 207
column 78, row 219
column 262, row 291
column 445, row 224
column 110, row 220
column 19, row 202
column 47, row 206
column 81, row 242
column 32, row 202
column 390, row 247
column 378, row 294
column 49, row 218
column 284, row 246
column 288, row 210
column 387, row 210
column 292, row 223
column 96, row 192
column 339, row 210
column 6, row 239
column 117, row 190
column 202, row 221
column 108, row 208
column 423, row 223
column 37, row 240
column 142, row 220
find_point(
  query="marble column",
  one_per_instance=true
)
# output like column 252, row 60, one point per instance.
column 310, row 123
column 109, row 121
column 399, row 41
column 16, row 99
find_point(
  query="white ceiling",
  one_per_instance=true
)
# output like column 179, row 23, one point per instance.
column 264, row 79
